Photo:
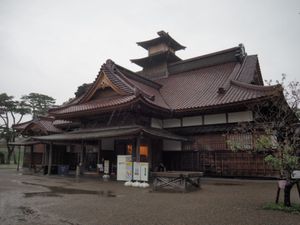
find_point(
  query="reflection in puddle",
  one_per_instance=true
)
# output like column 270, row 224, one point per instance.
column 40, row 194
column 56, row 191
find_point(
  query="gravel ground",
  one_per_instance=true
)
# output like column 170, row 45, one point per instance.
column 36, row 200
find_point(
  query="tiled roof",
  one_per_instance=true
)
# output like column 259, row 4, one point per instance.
column 209, row 86
column 195, row 88
column 95, row 104
column 48, row 126
column 156, row 57
column 21, row 126
column 200, row 88
column 163, row 38
column 44, row 123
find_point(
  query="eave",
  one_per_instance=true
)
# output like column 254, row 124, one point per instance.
column 156, row 58
column 163, row 38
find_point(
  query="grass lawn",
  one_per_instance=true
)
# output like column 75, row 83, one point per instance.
column 8, row 166
column 295, row 208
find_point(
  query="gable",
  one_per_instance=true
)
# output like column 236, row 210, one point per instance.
column 34, row 128
column 103, row 86
column 105, row 92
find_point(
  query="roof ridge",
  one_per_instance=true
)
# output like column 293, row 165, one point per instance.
column 72, row 102
column 232, row 76
column 135, row 89
column 111, row 66
column 139, row 78
column 245, row 61
column 235, row 54
column 206, row 55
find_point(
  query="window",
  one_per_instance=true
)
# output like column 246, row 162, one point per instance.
column 144, row 153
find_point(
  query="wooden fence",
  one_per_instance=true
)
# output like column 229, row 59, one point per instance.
column 219, row 163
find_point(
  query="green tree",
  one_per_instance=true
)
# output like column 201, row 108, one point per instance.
column 82, row 89
column 39, row 103
column 11, row 113
column 278, row 125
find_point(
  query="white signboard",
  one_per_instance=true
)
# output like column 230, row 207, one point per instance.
column 106, row 166
column 144, row 171
column 100, row 167
column 123, row 167
column 125, row 172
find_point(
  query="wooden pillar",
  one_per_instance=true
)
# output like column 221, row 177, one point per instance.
column 137, row 149
column 44, row 155
column 50, row 159
column 99, row 152
column 133, row 158
column 31, row 157
column 82, row 158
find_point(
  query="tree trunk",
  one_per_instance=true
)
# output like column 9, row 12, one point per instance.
column 9, row 154
column 10, row 151
column 15, row 158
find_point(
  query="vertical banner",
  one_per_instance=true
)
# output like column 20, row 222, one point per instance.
column 136, row 171
column 129, row 171
column 144, row 170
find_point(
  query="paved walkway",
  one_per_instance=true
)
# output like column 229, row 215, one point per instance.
column 36, row 200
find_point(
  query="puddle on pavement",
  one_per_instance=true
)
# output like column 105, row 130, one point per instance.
column 40, row 194
column 57, row 191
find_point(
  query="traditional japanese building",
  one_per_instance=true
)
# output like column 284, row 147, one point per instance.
column 173, row 111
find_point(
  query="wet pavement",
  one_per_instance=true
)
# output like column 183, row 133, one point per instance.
column 38, row 199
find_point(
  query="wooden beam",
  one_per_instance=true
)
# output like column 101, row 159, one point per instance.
column 99, row 152
column 19, row 154
column 137, row 148
column 31, row 157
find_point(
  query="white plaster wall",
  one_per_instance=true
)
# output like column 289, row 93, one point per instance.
column 171, row 123
column 156, row 123
column 192, row 121
column 240, row 116
column 215, row 118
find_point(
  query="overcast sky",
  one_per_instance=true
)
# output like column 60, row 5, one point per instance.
column 52, row 47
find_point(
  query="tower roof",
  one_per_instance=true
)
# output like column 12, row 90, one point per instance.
column 169, row 56
column 165, row 38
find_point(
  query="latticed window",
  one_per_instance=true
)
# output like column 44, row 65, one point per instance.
column 240, row 141
column 210, row 142
column 213, row 142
